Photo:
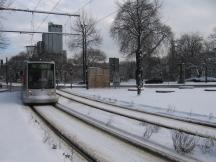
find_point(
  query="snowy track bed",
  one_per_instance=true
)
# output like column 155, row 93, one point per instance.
column 185, row 117
column 96, row 142
column 83, row 156
column 150, row 136
column 207, row 130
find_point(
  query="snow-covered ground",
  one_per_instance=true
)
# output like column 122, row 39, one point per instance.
column 153, row 134
column 23, row 137
column 3, row 89
column 191, row 101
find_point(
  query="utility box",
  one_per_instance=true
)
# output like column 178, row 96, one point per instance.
column 98, row 77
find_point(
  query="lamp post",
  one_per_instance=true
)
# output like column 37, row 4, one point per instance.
column 30, row 51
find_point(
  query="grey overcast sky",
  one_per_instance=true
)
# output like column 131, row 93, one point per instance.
column 182, row 16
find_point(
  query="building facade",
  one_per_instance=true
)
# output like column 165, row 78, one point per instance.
column 53, row 43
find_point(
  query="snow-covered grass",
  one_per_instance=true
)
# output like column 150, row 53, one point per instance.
column 3, row 89
column 23, row 136
column 196, row 103
column 164, row 137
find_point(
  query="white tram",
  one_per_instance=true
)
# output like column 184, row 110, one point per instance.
column 39, row 83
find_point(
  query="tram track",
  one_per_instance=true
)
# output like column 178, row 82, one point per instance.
column 189, row 120
column 156, row 151
column 193, row 127
column 62, row 136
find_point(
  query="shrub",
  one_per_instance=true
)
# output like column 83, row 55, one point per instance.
column 207, row 145
column 149, row 129
column 182, row 142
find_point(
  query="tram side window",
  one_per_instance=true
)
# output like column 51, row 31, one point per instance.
column 41, row 76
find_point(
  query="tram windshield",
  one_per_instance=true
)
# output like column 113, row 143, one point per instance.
column 40, row 76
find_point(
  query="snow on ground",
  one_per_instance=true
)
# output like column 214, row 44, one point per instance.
column 105, row 147
column 3, row 90
column 191, row 101
column 148, row 132
column 21, row 139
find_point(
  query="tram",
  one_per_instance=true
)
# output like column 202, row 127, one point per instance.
column 39, row 83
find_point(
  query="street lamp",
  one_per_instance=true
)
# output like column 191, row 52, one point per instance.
column 30, row 51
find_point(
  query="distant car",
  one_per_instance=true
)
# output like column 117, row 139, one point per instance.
column 154, row 81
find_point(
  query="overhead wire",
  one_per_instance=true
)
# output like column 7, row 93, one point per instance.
column 32, row 22
column 57, row 3
column 105, row 17
column 84, row 5
column 36, row 6
column 69, row 18
column 11, row 3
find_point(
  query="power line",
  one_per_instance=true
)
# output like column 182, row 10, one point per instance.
column 48, row 15
column 11, row 3
column 84, row 5
column 69, row 18
column 32, row 21
column 108, row 15
column 35, row 32
column 39, row 11
column 37, row 4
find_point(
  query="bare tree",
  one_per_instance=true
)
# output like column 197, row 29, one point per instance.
column 3, row 40
column 213, row 35
column 189, row 45
column 139, row 31
column 211, row 42
column 88, row 24
column 89, row 37
column 95, row 56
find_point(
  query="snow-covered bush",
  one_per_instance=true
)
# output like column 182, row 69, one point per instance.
column 68, row 156
column 207, row 145
column 171, row 108
column 182, row 142
column 149, row 129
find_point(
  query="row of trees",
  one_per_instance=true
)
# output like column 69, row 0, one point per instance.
column 137, row 28
column 192, row 50
column 3, row 40
column 140, row 33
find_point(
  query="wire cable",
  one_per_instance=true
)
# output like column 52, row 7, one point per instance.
column 36, row 6
column 57, row 3
column 11, row 3
column 105, row 17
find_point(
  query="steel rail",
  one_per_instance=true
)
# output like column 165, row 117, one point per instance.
column 189, row 120
column 78, row 149
column 151, row 119
column 154, row 149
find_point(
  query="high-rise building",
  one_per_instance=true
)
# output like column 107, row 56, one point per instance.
column 53, row 43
